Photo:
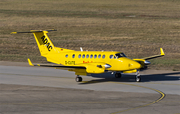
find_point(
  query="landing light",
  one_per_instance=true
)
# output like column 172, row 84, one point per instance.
column 147, row 62
column 107, row 66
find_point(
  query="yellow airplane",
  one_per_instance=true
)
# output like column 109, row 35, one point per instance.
column 87, row 62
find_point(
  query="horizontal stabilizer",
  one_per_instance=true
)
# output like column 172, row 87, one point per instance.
column 34, row 31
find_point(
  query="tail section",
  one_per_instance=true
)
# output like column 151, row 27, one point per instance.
column 45, row 45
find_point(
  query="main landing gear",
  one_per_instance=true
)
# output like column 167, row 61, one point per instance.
column 118, row 75
column 138, row 78
column 78, row 78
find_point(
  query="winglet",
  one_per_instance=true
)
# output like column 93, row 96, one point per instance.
column 30, row 63
column 13, row 32
column 162, row 52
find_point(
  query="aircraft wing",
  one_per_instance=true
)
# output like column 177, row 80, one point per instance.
column 57, row 66
column 155, row 56
column 152, row 57
column 81, row 69
column 144, row 62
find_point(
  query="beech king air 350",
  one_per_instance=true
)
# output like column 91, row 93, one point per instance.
column 87, row 62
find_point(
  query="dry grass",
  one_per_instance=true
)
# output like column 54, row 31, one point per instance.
column 136, row 27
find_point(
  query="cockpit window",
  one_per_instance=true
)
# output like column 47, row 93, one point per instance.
column 118, row 55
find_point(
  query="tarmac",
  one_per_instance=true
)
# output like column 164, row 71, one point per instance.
column 38, row 90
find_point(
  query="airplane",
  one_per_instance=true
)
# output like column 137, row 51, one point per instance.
column 87, row 62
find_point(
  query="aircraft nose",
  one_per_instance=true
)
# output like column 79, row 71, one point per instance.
column 135, row 65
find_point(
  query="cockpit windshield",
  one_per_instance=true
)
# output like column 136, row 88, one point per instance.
column 118, row 55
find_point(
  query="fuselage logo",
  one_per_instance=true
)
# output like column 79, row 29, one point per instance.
column 45, row 41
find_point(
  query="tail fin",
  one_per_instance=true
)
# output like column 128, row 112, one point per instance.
column 44, row 43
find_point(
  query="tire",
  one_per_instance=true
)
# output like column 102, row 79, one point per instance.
column 138, row 79
column 118, row 75
column 78, row 79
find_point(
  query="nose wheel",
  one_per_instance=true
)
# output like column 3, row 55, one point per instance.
column 138, row 78
column 78, row 78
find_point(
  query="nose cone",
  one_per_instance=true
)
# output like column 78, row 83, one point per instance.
column 134, row 65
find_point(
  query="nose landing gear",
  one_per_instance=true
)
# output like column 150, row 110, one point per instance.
column 138, row 78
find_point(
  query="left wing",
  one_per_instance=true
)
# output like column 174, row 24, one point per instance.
column 81, row 69
column 57, row 66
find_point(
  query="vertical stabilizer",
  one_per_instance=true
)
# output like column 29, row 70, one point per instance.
column 44, row 43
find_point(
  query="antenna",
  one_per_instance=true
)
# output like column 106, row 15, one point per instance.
column 81, row 49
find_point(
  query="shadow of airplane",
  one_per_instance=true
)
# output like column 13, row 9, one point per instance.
column 107, row 77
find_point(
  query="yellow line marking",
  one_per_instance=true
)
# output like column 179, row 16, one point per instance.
column 161, row 93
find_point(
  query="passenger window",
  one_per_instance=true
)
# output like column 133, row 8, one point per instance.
column 111, row 56
column 66, row 56
column 103, row 56
column 73, row 55
column 87, row 56
column 91, row 56
column 99, row 56
column 83, row 56
column 95, row 56
column 79, row 55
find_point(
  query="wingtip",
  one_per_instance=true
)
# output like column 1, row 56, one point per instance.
column 13, row 32
column 30, row 63
column 162, row 52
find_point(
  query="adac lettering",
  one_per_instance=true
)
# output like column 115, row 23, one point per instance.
column 45, row 41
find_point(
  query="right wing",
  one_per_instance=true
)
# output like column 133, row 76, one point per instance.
column 144, row 62
column 155, row 56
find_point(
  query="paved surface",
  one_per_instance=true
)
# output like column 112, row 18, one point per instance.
column 35, row 90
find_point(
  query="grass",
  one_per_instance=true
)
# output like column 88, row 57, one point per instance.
column 137, row 28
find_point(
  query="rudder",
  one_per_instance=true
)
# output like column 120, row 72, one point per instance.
column 44, row 43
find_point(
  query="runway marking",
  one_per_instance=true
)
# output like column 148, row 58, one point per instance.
column 161, row 93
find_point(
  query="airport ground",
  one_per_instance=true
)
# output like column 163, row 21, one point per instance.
column 35, row 90
column 137, row 28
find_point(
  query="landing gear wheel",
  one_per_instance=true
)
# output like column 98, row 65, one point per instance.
column 118, row 75
column 78, row 79
column 138, row 78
